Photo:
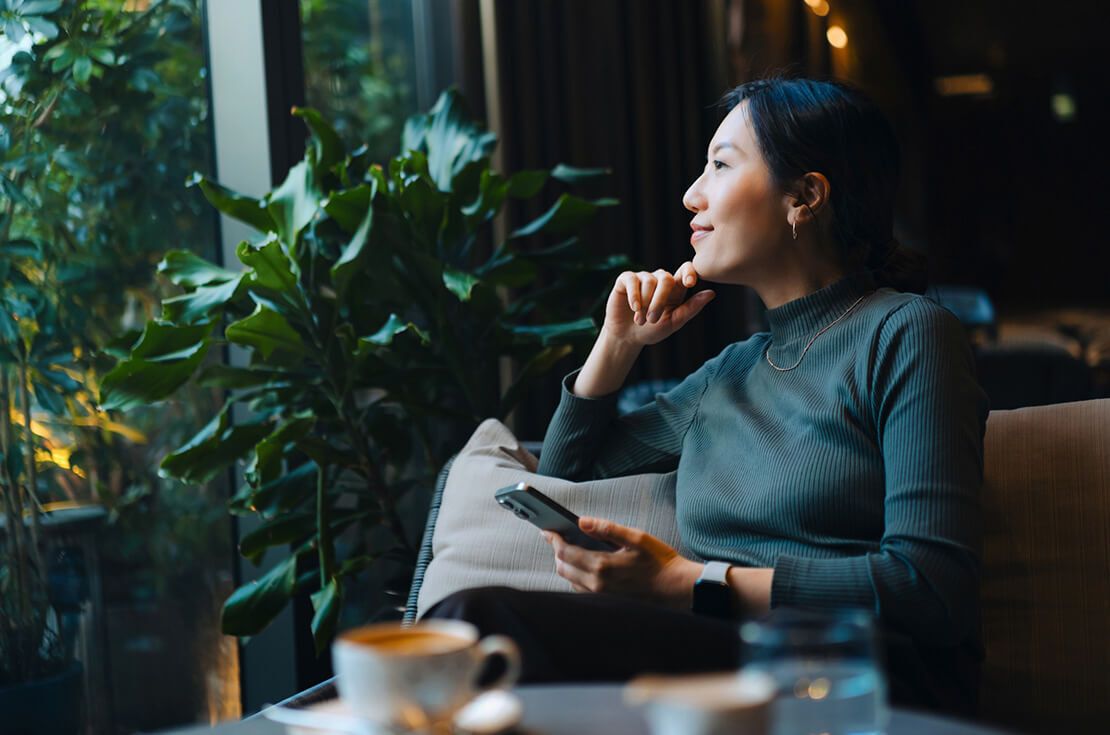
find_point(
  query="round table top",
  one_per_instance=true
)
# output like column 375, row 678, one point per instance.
column 576, row 709
column 581, row 709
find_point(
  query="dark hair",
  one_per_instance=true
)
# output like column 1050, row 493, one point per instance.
column 805, row 125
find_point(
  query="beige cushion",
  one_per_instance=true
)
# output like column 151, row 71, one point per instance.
column 477, row 543
column 1046, row 568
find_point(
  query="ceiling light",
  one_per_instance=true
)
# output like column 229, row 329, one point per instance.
column 1063, row 107
column 837, row 37
column 963, row 84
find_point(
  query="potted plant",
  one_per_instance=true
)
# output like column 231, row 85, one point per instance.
column 369, row 319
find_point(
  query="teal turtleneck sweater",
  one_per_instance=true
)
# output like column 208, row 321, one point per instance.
column 855, row 475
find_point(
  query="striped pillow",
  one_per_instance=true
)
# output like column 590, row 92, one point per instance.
column 476, row 543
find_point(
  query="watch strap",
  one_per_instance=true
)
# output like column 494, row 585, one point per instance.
column 715, row 571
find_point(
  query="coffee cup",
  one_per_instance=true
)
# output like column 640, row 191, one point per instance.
column 710, row 704
column 416, row 677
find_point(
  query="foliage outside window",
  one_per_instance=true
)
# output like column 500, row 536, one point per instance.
column 104, row 114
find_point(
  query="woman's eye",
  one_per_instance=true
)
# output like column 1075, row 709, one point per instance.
column 718, row 165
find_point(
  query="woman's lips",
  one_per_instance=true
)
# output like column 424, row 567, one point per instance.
column 698, row 235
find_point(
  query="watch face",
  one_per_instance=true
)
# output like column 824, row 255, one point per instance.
column 713, row 599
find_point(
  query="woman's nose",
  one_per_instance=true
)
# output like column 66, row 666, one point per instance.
column 693, row 199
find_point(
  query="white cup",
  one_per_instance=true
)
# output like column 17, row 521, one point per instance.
column 416, row 677
column 711, row 704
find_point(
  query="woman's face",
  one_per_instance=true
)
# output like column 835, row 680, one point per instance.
column 736, row 198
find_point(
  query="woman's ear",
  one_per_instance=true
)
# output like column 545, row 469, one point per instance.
column 809, row 197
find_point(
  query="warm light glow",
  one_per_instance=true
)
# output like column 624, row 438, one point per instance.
column 819, row 689
column 1063, row 107
column 837, row 37
column 820, row 7
column 960, row 84
column 813, row 3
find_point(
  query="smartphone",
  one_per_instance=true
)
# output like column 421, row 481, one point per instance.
column 541, row 511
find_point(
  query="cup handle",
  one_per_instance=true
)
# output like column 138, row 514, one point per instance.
column 499, row 645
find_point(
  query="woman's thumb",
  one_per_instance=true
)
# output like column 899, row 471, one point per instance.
column 695, row 304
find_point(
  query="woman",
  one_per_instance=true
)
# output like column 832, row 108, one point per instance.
column 832, row 461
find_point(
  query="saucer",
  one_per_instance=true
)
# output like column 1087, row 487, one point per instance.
column 490, row 713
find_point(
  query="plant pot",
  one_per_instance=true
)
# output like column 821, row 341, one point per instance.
column 50, row 706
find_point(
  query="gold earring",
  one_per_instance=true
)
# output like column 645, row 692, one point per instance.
column 794, row 228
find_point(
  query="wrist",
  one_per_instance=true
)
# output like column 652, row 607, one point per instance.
column 617, row 347
column 681, row 580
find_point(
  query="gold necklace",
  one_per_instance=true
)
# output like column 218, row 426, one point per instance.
column 767, row 353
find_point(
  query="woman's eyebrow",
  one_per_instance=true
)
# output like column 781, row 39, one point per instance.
column 719, row 146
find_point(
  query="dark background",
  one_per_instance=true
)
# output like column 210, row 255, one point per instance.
column 998, row 191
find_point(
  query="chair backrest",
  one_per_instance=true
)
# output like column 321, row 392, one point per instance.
column 1046, row 568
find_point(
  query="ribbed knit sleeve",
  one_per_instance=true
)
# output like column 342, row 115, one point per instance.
column 586, row 439
column 929, row 414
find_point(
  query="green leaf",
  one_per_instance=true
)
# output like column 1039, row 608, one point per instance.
column 282, row 495
column 212, row 449
column 293, row 204
column 525, row 184
column 265, row 330
column 272, row 267
column 384, row 336
column 453, row 140
column 186, row 268
column 82, row 68
column 459, row 282
column 284, row 529
column 102, row 54
column 548, row 333
column 39, row 7
column 187, row 308
column 270, row 451
column 43, row 26
column 572, row 175
column 348, row 207
column 327, row 604
column 567, row 215
column 250, row 608
column 226, row 376
column 48, row 400
column 243, row 208
column 160, row 363
column 423, row 206
column 329, row 147
column 349, row 259
column 537, row 366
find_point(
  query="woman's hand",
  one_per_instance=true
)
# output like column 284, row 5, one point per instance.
column 644, row 567
column 645, row 308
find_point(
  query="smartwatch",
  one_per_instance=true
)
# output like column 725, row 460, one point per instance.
column 712, row 595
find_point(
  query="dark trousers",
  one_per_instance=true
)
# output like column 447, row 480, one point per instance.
column 565, row 636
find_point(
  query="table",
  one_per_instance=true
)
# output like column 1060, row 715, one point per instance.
column 578, row 709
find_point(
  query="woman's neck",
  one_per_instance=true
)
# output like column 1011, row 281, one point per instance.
column 794, row 283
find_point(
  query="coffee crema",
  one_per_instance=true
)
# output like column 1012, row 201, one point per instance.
column 411, row 642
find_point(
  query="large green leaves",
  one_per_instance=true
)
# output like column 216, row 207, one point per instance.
column 293, row 205
column 565, row 216
column 213, row 448
column 351, row 257
column 448, row 138
column 234, row 205
column 271, row 267
column 160, row 363
column 251, row 607
column 186, row 268
column 266, row 331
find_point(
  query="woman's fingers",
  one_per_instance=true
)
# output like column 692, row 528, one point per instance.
column 691, row 307
column 665, row 285
column 631, row 285
column 647, row 289
column 686, row 275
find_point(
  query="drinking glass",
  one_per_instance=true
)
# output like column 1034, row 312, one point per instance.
column 826, row 668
